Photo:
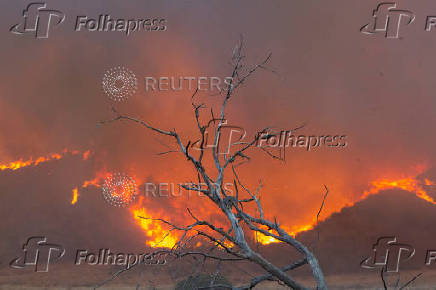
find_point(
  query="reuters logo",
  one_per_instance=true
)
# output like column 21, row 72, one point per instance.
column 119, row 189
column 119, row 83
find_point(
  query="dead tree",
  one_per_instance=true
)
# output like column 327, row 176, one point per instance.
column 233, row 239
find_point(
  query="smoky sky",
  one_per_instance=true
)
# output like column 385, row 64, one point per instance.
column 378, row 92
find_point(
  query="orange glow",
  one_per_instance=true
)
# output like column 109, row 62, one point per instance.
column 304, row 228
column 266, row 240
column 226, row 243
column 94, row 182
column 408, row 183
column 97, row 181
column 158, row 236
column 86, row 154
column 157, row 233
column 429, row 182
column 75, row 195
column 14, row 165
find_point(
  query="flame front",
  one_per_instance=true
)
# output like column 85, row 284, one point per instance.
column 18, row 164
column 14, row 165
column 158, row 237
column 408, row 183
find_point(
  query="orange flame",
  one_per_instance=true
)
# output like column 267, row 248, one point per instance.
column 97, row 181
column 94, row 182
column 14, row 165
column 86, row 154
column 154, row 230
column 75, row 195
column 408, row 183
column 158, row 236
column 266, row 240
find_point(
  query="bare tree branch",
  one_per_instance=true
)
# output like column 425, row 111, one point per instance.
column 231, row 240
column 411, row 281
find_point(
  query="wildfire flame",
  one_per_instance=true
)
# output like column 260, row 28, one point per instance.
column 158, row 236
column 97, row 181
column 408, row 183
column 32, row 162
column 93, row 182
column 75, row 195
column 266, row 240
column 14, row 165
